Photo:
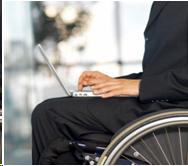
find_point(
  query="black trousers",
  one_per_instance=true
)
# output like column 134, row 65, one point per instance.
column 56, row 121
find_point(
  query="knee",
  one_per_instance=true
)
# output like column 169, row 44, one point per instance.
column 39, row 112
column 50, row 108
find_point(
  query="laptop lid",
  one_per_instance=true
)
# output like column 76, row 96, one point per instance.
column 53, row 70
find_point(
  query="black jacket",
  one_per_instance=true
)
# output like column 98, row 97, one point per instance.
column 165, row 63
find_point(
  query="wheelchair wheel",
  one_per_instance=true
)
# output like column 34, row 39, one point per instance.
column 158, row 138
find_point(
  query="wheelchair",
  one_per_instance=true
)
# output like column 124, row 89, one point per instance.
column 159, row 138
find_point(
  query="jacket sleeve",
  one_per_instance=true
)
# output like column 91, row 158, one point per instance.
column 169, row 86
column 131, row 76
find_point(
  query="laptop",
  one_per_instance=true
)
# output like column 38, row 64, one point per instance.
column 62, row 84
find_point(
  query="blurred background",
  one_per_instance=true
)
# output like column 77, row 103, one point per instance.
column 77, row 36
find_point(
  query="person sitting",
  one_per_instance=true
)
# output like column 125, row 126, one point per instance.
column 163, row 84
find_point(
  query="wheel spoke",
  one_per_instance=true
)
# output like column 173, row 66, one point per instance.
column 187, row 159
column 162, row 140
column 128, row 159
column 180, row 142
column 161, row 148
column 170, row 146
column 149, row 149
column 146, row 160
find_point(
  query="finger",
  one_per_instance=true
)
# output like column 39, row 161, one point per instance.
column 83, row 83
column 90, row 82
column 92, row 74
column 82, row 77
column 81, row 86
column 86, row 74
column 116, row 92
column 106, row 89
column 104, row 84
column 95, row 81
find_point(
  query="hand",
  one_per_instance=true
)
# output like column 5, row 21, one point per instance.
column 89, row 78
column 117, row 87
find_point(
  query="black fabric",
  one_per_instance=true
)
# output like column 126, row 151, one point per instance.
column 54, row 118
column 132, row 76
column 165, row 62
column 164, row 85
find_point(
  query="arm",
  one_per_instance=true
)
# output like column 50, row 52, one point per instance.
column 107, row 86
column 171, row 85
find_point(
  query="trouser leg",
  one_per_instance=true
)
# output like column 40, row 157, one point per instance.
column 54, row 123
column 56, row 120
column 50, row 137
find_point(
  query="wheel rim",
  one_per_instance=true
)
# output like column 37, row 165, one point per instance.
column 144, row 130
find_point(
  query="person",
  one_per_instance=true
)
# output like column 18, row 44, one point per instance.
column 163, row 84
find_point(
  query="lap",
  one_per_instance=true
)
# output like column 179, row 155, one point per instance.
column 105, row 115
column 89, row 116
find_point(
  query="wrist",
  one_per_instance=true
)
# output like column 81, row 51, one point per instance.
column 133, row 88
column 137, row 87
